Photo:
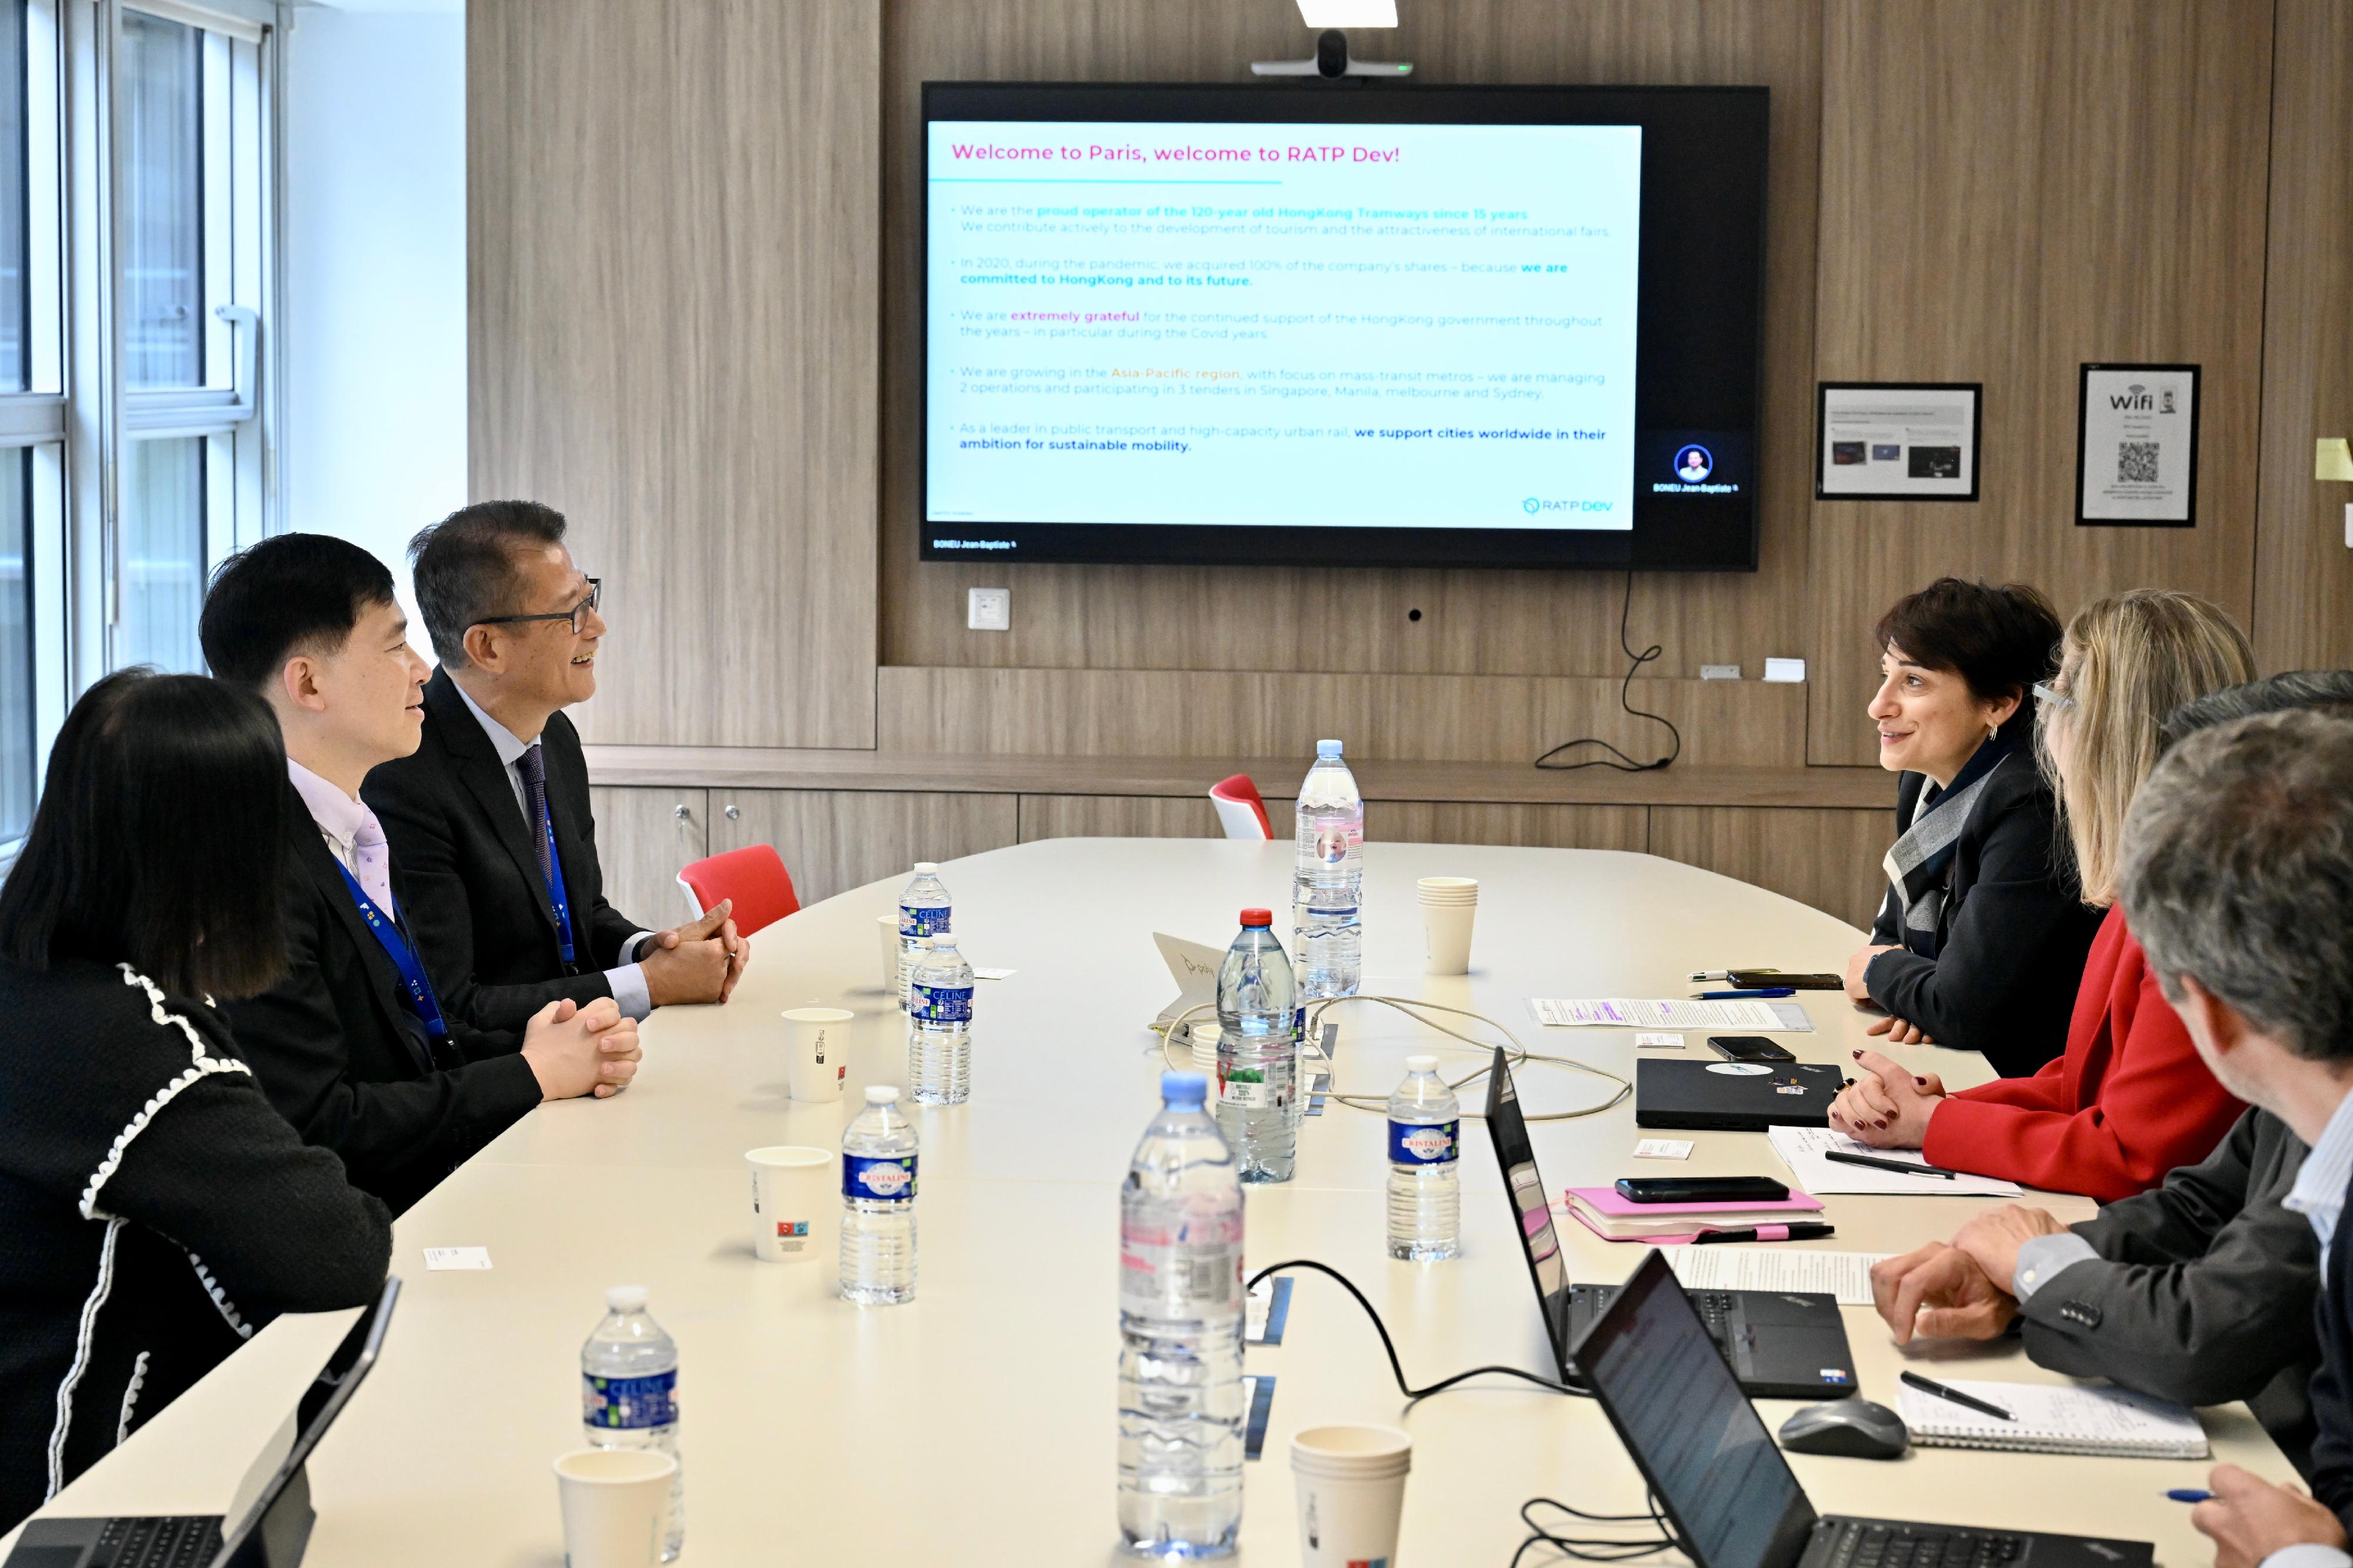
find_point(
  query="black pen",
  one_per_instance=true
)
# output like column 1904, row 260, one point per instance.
column 1904, row 1167
column 1802, row 1231
column 1928, row 1386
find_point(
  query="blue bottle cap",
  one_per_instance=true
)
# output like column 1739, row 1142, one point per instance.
column 1184, row 1090
column 1327, row 748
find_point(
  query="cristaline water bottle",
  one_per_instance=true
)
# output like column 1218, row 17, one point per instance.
column 1257, row 1056
column 923, row 911
column 1327, row 890
column 939, row 1025
column 1425, row 1166
column 877, row 1202
column 1181, row 1408
column 628, row 1393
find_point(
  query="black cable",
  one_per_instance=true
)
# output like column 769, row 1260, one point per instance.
column 1397, row 1369
column 1585, row 1549
column 1624, row 764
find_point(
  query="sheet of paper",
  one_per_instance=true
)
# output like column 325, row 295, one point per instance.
column 1774, row 1266
column 1647, row 1041
column 1669, row 1012
column 2055, row 1417
column 1663, row 1149
column 992, row 973
column 457, row 1257
column 1802, row 1148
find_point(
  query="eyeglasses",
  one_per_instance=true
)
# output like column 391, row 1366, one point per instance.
column 596, row 591
column 2057, row 700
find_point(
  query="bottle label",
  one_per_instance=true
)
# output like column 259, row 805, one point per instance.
column 1245, row 1088
column 1423, row 1143
column 1329, row 841
column 879, row 1180
column 922, row 919
column 630, row 1402
column 942, row 1003
column 1187, row 1269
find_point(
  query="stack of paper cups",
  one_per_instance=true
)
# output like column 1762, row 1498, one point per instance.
column 1351, row 1493
column 1205, row 1049
column 1448, row 904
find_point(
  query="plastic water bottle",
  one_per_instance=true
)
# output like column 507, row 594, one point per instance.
column 877, row 1202
column 1327, row 890
column 1425, row 1167
column 939, row 1025
column 1258, row 1058
column 628, row 1393
column 1181, row 1407
column 922, row 911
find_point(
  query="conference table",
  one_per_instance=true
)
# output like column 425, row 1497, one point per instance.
column 976, row 1426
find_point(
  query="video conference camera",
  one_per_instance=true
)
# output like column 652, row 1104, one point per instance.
column 1331, row 61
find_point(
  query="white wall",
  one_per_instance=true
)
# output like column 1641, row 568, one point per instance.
column 376, row 259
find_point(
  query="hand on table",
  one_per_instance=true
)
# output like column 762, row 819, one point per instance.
column 692, row 962
column 1855, row 989
column 2249, row 1519
column 1887, row 1106
column 575, row 1051
column 1939, row 1292
column 1994, row 1238
column 1898, row 1031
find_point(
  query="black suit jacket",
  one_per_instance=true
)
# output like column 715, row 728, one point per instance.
column 2332, row 1385
column 348, row 1064
column 479, row 903
column 2013, row 934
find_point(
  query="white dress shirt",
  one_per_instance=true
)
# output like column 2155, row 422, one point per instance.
column 354, row 837
column 628, row 980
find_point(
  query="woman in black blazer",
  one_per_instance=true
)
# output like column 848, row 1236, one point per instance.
column 154, row 1210
column 1980, row 941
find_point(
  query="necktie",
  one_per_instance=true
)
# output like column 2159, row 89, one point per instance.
column 533, row 769
column 373, row 862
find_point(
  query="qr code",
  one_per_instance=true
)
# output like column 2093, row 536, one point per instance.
column 2137, row 462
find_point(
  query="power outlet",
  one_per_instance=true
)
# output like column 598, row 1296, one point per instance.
column 1719, row 672
column 989, row 610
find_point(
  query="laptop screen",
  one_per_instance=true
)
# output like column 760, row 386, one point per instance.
column 1508, row 1130
column 1692, row 1432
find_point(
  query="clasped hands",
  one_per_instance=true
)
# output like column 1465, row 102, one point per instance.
column 1887, row 1105
column 698, row 961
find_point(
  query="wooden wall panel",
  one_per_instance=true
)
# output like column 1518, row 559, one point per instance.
column 1826, row 858
column 1160, row 713
column 1396, row 822
column 1484, row 623
column 837, row 839
column 642, row 843
column 1119, row 816
column 2303, row 572
column 673, row 214
column 2011, row 188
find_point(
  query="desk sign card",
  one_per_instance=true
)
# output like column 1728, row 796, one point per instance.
column 457, row 1257
column 1897, row 440
column 2136, row 446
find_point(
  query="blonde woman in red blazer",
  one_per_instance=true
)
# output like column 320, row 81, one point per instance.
column 2129, row 1100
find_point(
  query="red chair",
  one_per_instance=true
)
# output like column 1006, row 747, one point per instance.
column 1240, row 810
column 754, row 877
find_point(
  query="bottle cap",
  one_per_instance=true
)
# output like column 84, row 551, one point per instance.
column 926, row 868
column 881, row 1094
column 1257, row 918
column 1184, row 1090
column 1421, row 1063
column 625, row 1298
column 1327, row 749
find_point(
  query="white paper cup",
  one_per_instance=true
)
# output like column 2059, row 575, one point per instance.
column 615, row 1502
column 1448, row 889
column 1446, row 932
column 790, row 1185
column 817, row 1052
column 1205, row 1050
column 888, row 925
column 1351, row 1484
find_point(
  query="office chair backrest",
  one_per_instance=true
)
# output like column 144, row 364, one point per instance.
column 1240, row 810
column 754, row 877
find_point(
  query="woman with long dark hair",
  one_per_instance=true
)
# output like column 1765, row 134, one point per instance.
column 154, row 1210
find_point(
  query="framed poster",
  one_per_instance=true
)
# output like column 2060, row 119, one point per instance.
column 2136, row 446
column 1887, row 441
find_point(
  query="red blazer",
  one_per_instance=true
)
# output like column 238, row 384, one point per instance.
column 2127, row 1102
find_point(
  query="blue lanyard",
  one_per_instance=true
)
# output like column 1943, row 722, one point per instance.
column 555, row 893
column 421, row 1000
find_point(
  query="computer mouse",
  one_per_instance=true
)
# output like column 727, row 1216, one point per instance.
column 1852, row 1428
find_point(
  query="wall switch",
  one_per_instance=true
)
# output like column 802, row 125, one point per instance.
column 1719, row 672
column 2348, row 525
column 989, row 610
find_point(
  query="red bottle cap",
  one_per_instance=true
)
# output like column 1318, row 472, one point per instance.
column 1258, row 917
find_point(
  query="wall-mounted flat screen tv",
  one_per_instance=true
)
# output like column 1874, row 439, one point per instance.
column 1323, row 324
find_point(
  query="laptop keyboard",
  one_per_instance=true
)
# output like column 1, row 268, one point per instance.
column 189, row 1542
column 1715, row 1308
column 1859, row 1544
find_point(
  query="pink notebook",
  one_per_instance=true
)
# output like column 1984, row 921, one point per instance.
column 1597, row 1208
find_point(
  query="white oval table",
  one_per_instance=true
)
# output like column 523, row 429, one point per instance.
column 976, row 1425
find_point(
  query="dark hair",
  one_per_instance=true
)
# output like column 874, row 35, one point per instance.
column 465, row 567
column 2323, row 688
column 157, row 841
column 2238, row 873
column 297, row 593
column 1999, row 641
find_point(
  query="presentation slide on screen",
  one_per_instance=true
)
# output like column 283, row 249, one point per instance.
column 1306, row 325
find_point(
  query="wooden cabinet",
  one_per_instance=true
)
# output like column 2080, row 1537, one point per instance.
column 643, row 837
column 1826, row 858
column 836, row 839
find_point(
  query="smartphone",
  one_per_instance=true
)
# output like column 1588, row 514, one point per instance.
column 1701, row 1189
column 1748, row 1048
column 1767, row 979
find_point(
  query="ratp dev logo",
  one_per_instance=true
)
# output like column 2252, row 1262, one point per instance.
column 1532, row 506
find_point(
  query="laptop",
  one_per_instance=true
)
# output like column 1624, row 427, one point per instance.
column 1725, row 1487
column 1735, row 1097
column 1780, row 1344
column 272, row 1509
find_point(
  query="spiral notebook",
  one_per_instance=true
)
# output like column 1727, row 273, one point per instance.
column 2112, row 1423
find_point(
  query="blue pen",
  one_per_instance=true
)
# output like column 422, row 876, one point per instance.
column 2189, row 1494
column 1741, row 995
